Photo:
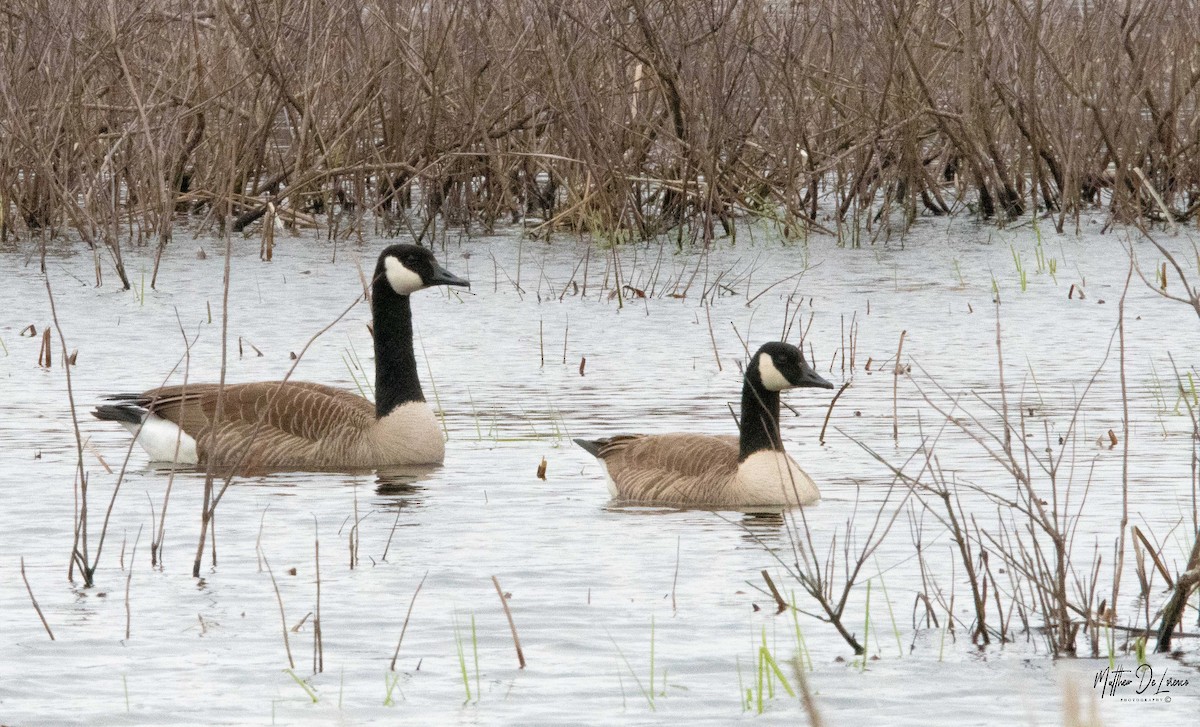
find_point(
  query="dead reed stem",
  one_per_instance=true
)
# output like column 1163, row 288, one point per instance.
column 207, row 503
column 511, row 625
column 33, row 600
column 129, row 584
column 318, row 640
column 781, row 605
column 1120, row 564
column 625, row 120
column 829, row 411
column 711, row 336
column 79, row 550
column 407, row 616
column 896, row 371
column 282, row 616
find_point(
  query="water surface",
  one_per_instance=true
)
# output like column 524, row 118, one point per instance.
column 594, row 585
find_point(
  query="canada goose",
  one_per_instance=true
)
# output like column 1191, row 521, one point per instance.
column 719, row 471
column 305, row 426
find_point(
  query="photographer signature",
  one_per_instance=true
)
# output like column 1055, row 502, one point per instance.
column 1142, row 680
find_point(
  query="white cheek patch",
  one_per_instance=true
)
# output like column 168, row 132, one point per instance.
column 771, row 377
column 402, row 280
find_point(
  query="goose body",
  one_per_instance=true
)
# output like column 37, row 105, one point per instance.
column 301, row 425
column 747, row 470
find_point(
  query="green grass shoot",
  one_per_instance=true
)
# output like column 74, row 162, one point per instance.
column 390, row 682
column 767, row 673
column 958, row 271
column 1020, row 267
column 1139, row 648
column 743, row 693
column 462, row 658
column 648, row 695
column 312, row 694
column 891, row 612
column 866, row 642
column 802, row 653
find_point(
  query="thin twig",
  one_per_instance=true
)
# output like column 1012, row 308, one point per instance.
column 32, row 599
column 511, row 624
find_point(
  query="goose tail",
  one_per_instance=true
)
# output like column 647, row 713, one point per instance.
column 124, row 413
column 590, row 446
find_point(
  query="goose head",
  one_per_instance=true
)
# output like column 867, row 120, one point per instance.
column 778, row 366
column 409, row 268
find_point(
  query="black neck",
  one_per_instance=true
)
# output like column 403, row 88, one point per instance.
column 396, row 380
column 760, row 418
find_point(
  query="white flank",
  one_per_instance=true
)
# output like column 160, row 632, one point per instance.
column 608, row 480
column 771, row 377
column 159, row 437
column 772, row 478
column 402, row 280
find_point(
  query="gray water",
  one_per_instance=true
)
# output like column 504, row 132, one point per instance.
column 594, row 586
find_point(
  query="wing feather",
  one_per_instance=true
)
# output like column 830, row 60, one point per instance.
column 692, row 468
column 289, row 423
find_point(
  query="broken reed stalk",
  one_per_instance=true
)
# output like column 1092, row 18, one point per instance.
column 675, row 577
column 511, row 624
column 387, row 546
column 282, row 616
column 1184, row 585
column 129, row 583
column 353, row 536
column 33, row 600
column 79, row 550
column 840, row 391
column 158, row 537
column 895, row 389
column 780, row 604
column 1120, row 564
column 712, row 336
column 44, row 359
column 318, row 636
column 207, row 503
column 407, row 616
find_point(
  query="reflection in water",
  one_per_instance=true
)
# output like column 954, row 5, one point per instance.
column 762, row 523
column 757, row 523
column 402, row 484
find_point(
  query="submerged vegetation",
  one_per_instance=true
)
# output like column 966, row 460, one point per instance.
column 626, row 118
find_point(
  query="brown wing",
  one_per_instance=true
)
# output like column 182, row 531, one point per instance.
column 693, row 468
column 288, row 422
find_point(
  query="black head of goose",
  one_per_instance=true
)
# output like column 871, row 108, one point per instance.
column 306, row 426
column 749, row 470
